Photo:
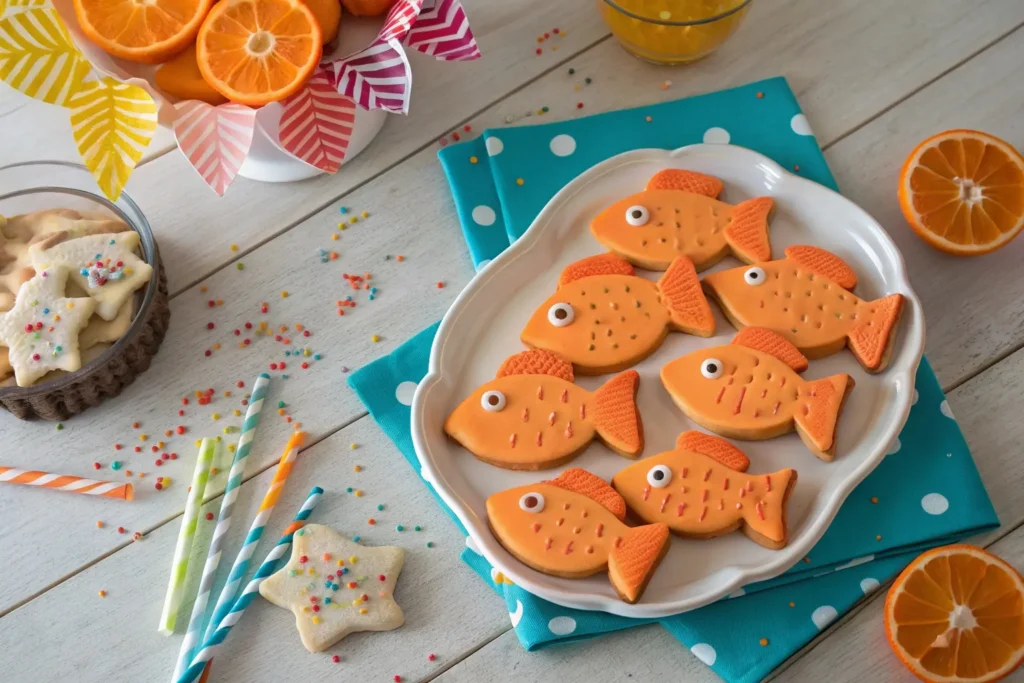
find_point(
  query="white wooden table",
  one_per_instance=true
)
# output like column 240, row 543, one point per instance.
column 874, row 78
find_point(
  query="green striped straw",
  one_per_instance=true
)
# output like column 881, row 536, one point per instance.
column 189, row 521
column 227, row 507
column 215, row 641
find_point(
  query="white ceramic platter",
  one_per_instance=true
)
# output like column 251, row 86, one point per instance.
column 482, row 328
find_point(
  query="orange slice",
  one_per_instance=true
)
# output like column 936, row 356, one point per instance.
column 150, row 32
column 180, row 78
column 956, row 615
column 962, row 191
column 258, row 51
column 328, row 16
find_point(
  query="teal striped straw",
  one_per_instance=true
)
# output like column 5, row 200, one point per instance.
column 213, row 644
column 227, row 507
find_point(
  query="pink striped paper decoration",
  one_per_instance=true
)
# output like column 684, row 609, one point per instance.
column 378, row 77
column 442, row 31
column 215, row 140
column 316, row 124
column 400, row 19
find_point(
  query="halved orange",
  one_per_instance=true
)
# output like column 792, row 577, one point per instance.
column 962, row 191
column 180, row 78
column 258, row 51
column 956, row 615
column 150, row 32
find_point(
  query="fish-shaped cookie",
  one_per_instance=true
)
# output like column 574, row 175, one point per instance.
column 532, row 417
column 699, row 490
column 750, row 390
column 573, row 527
column 604, row 318
column 678, row 214
column 806, row 297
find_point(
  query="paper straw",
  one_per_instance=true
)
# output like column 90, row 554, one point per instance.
column 227, row 507
column 213, row 643
column 183, row 549
column 66, row 482
column 241, row 563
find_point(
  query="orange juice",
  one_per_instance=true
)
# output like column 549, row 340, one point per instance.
column 672, row 31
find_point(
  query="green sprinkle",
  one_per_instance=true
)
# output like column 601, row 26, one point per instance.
column 587, row 80
column 59, row 426
column 399, row 528
column 281, row 404
column 300, row 532
column 293, row 572
column 572, row 71
column 356, row 539
column 545, row 110
column 316, row 356
column 418, row 528
column 430, row 544
column 349, row 489
column 116, row 465
column 240, row 265
column 380, row 506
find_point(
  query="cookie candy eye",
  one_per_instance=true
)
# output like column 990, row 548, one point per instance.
column 560, row 315
column 492, row 401
column 659, row 476
column 754, row 276
column 711, row 368
column 532, row 502
column 637, row 215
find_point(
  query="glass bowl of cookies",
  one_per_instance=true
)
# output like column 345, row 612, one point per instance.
column 83, row 293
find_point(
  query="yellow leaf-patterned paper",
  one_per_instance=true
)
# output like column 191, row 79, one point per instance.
column 12, row 6
column 112, row 123
column 37, row 56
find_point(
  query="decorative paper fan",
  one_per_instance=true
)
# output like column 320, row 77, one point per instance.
column 215, row 140
column 37, row 56
column 316, row 124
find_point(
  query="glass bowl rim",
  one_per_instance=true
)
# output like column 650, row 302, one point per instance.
column 697, row 22
column 139, row 224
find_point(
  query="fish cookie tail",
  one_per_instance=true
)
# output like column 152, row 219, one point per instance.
column 617, row 418
column 766, row 520
column 633, row 560
column 747, row 233
column 682, row 295
column 817, row 413
column 871, row 337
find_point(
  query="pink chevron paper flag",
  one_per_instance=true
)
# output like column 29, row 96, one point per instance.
column 376, row 78
column 400, row 19
column 442, row 31
column 316, row 123
column 215, row 140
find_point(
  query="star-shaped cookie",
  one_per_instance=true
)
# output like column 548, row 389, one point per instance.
column 105, row 266
column 41, row 331
column 335, row 587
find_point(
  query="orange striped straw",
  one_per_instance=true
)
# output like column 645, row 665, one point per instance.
column 63, row 482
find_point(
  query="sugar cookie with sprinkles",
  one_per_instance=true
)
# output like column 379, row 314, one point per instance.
column 105, row 266
column 41, row 331
column 335, row 587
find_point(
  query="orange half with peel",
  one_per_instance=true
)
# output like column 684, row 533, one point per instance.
column 956, row 615
column 258, row 51
column 147, row 31
column 962, row 191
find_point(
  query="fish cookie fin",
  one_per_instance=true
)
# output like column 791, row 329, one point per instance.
column 817, row 412
column 616, row 416
column 536, row 362
column 632, row 562
column 714, row 447
column 593, row 487
column 772, row 343
column 602, row 264
column 824, row 263
column 767, row 517
column 747, row 233
column 683, row 297
column 687, row 181
column 873, row 333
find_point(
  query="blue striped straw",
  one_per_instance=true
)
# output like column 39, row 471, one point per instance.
column 213, row 644
column 227, row 507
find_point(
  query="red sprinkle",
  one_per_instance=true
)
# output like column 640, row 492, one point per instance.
column 579, row 105
column 165, row 456
column 184, row 401
column 117, row 447
column 303, row 559
column 209, row 515
column 211, row 303
column 180, row 429
column 158, row 486
column 210, row 326
column 398, row 679
column 174, row 456
column 335, row 659
column 159, row 462
column 273, row 366
column 539, row 50
column 181, row 413
column 208, row 353
column 431, row 657
column 120, row 529
column 135, row 425
column 316, row 608
column 248, row 326
column 382, row 578
column 305, row 333
column 138, row 449
column 240, row 384
column 95, row 465
column 305, row 366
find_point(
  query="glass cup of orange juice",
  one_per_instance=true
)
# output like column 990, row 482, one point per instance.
column 672, row 31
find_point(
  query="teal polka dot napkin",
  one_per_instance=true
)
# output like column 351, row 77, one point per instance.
column 925, row 493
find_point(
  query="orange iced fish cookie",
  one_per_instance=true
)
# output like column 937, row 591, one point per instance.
column 806, row 298
column 678, row 214
column 532, row 417
column 573, row 527
column 699, row 490
column 750, row 390
column 604, row 318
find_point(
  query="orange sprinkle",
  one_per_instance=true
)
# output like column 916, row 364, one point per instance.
column 371, row 521
column 807, row 560
column 99, row 524
column 874, row 499
column 399, row 258
column 878, row 538
column 760, row 95
column 203, row 288
column 763, row 641
column 280, row 411
column 103, row 594
column 792, row 604
column 327, row 557
column 298, row 326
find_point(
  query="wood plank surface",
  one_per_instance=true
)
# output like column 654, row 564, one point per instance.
column 114, row 639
